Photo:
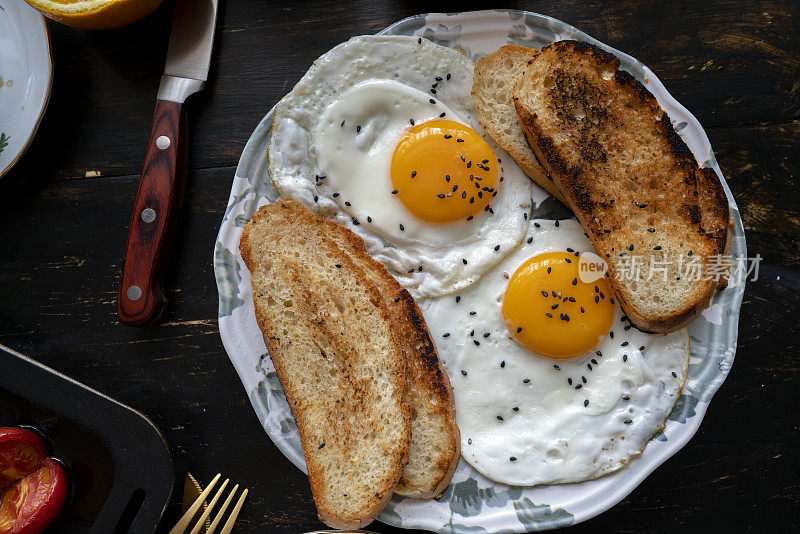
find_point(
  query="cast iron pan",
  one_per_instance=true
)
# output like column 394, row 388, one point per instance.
column 118, row 464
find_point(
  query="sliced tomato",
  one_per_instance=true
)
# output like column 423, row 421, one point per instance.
column 20, row 452
column 33, row 503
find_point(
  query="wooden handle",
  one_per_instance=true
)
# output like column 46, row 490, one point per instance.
column 141, row 298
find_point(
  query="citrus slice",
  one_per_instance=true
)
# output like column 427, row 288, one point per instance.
column 95, row 14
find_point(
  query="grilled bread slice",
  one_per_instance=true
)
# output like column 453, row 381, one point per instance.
column 629, row 178
column 339, row 358
column 492, row 88
column 435, row 438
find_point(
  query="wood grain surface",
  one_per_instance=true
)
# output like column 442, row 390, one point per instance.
column 735, row 65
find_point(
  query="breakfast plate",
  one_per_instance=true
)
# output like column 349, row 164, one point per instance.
column 473, row 503
column 26, row 74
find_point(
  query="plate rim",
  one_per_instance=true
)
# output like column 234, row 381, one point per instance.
column 731, row 325
column 45, row 101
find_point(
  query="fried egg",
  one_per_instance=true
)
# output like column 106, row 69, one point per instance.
column 380, row 135
column 552, row 383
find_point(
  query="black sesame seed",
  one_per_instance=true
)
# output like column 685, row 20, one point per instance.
column 369, row 219
column 526, row 380
column 358, row 128
column 674, row 374
column 496, row 248
column 342, row 124
column 530, row 240
column 419, row 40
column 316, row 198
column 624, row 357
column 641, row 348
column 554, row 294
column 472, row 313
column 440, row 195
column 606, row 231
column 545, row 293
column 470, row 217
column 499, row 417
column 569, row 381
column 548, row 270
column 583, row 379
column 596, row 299
column 628, row 421
column 550, row 315
column 338, row 265
column 486, row 334
column 413, row 174
column 515, row 408
column 536, row 225
column 448, row 75
column 651, row 230
column 411, row 121
column 574, row 281
column 568, row 260
column 463, row 372
column 447, row 136
column 402, row 228
column 519, row 329
column 571, row 299
column 458, row 299
column 471, row 333
column 438, row 78
column 335, row 195
column 503, row 363
column 446, row 334
column 513, row 458
column 554, row 306
column 477, row 343
column 657, row 247
column 623, row 344
column 557, row 223
column 459, row 140
column 397, row 299
column 432, row 101
column 556, row 367
column 589, row 366
column 630, row 247
column 579, row 386
column 642, row 205
column 582, row 310
column 433, row 91
column 626, row 398
column 442, row 114
column 611, row 334
column 420, row 268
column 347, row 203
column 394, row 191
column 586, row 403
column 464, row 260
column 599, row 353
column 321, row 445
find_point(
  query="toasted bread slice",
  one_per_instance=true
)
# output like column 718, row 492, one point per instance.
column 330, row 334
column 492, row 87
column 435, row 439
column 630, row 179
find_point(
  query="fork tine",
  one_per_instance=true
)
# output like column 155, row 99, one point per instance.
column 202, row 521
column 232, row 519
column 180, row 528
column 221, row 512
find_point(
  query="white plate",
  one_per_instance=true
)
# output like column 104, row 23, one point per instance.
column 26, row 73
column 473, row 503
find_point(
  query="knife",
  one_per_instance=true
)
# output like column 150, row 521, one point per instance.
column 141, row 299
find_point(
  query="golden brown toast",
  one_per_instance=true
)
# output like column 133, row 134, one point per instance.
column 629, row 178
column 492, row 87
column 329, row 333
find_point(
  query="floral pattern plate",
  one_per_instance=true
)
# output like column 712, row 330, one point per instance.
column 472, row 503
column 26, row 73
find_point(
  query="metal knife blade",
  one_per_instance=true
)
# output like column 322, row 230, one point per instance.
column 189, row 52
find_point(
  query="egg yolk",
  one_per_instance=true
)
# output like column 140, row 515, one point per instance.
column 551, row 312
column 443, row 171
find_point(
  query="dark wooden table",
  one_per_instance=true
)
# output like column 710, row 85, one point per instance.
column 736, row 66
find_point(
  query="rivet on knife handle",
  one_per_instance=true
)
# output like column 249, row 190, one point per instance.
column 141, row 299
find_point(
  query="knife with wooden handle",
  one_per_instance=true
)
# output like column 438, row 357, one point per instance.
column 141, row 299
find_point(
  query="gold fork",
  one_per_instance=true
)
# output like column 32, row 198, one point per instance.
column 183, row 524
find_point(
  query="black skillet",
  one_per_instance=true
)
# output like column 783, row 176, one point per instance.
column 118, row 463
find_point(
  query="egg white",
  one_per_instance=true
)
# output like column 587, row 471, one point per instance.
column 333, row 138
column 554, row 435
